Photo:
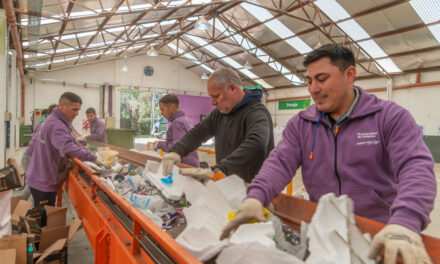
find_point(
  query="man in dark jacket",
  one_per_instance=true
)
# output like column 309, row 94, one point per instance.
column 97, row 127
column 242, row 127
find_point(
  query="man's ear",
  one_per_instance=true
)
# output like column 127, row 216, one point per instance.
column 350, row 73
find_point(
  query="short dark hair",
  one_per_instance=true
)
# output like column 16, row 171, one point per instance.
column 71, row 97
column 90, row 110
column 50, row 109
column 340, row 56
column 44, row 112
column 169, row 99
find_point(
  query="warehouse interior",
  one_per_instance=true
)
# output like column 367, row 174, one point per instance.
column 107, row 50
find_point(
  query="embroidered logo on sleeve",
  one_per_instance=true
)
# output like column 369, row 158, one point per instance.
column 367, row 138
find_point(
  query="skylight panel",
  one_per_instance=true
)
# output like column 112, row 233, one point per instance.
column 435, row 30
column 298, row 44
column 228, row 60
column 372, row 48
column 191, row 57
column 428, row 10
column 259, row 13
column 336, row 12
column 333, row 9
column 388, row 65
column 354, row 30
column 277, row 27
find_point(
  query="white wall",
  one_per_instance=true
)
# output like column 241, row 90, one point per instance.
column 169, row 76
column 422, row 102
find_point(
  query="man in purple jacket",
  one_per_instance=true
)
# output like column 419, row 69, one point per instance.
column 180, row 125
column 97, row 127
column 54, row 144
column 351, row 142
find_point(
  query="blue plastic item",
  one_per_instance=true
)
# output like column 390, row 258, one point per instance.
column 168, row 180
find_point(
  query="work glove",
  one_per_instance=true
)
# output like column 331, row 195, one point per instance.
column 250, row 209
column 168, row 161
column 82, row 141
column 101, row 164
column 198, row 173
column 397, row 239
column 155, row 145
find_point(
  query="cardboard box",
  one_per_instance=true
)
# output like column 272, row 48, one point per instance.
column 8, row 256
column 10, row 179
column 51, row 240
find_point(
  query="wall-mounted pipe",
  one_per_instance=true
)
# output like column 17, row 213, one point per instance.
column 10, row 14
column 110, row 100
column 372, row 90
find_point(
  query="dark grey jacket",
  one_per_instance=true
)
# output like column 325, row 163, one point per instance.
column 243, row 139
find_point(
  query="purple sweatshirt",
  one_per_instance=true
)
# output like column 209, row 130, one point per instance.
column 180, row 125
column 54, row 143
column 30, row 147
column 378, row 159
column 97, row 131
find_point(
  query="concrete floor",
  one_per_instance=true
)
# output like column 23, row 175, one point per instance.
column 80, row 250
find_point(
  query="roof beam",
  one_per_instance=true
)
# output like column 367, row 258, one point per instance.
column 60, row 34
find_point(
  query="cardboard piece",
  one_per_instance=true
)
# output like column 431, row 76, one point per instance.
column 18, row 243
column 20, row 210
column 54, row 248
column 55, row 216
column 8, row 256
column 14, row 202
column 50, row 236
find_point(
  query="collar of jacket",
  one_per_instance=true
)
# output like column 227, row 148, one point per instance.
column 368, row 104
column 176, row 115
column 250, row 95
column 59, row 115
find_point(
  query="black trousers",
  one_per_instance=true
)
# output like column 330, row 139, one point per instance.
column 40, row 196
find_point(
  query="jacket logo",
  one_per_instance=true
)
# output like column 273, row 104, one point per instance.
column 367, row 138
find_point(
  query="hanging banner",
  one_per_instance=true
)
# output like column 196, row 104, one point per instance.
column 259, row 86
column 294, row 104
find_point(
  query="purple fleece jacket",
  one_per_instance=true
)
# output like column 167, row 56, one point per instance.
column 180, row 125
column 97, row 131
column 54, row 143
column 378, row 159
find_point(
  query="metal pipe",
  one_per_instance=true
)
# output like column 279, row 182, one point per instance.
column 110, row 100
column 372, row 90
column 10, row 14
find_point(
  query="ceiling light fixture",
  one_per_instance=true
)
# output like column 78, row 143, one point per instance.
column 202, row 23
column 247, row 66
column 204, row 76
column 152, row 52
column 124, row 67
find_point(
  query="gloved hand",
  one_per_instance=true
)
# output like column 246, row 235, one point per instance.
column 397, row 239
column 198, row 173
column 101, row 164
column 82, row 141
column 155, row 145
column 168, row 161
column 250, row 209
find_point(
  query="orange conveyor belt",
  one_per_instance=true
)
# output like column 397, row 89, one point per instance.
column 119, row 233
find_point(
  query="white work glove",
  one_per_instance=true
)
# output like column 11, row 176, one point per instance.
column 397, row 239
column 168, row 161
column 155, row 145
column 250, row 209
column 198, row 173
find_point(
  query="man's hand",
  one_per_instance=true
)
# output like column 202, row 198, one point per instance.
column 155, row 145
column 250, row 209
column 101, row 164
column 397, row 239
column 168, row 161
column 198, row 173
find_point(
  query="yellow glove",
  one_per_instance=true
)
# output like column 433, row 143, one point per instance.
column 198, row 173
column 250, row 209
column 168, row 161
column 397, row 239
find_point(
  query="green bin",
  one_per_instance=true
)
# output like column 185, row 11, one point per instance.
column 26, row 133
column 121, row 137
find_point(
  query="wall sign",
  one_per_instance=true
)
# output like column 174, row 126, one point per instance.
column 294, row 104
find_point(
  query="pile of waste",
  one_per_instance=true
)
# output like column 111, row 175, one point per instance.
column 195, row 214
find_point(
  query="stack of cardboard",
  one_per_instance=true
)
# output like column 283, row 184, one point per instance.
column 40, row 234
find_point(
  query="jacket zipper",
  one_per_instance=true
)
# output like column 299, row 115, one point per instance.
column 336, row 163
